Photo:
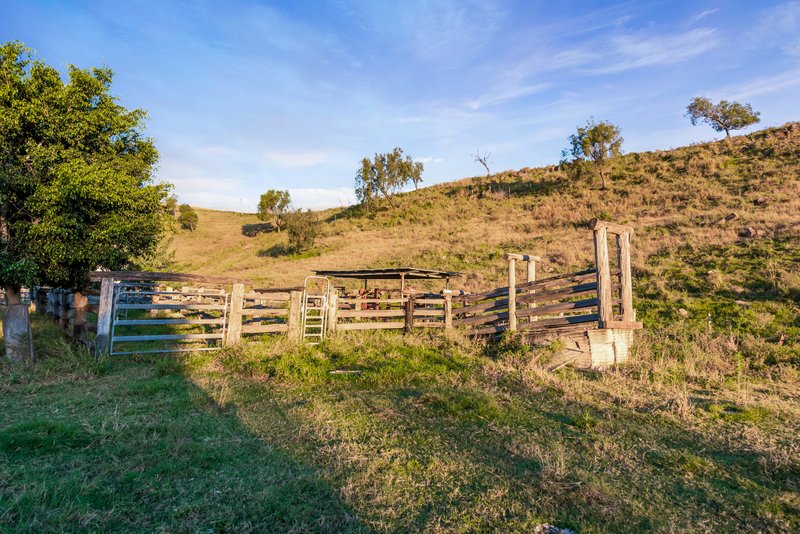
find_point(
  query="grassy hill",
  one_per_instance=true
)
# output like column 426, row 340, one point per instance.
column 686, row 256
column 673, row 198
column 436, row 432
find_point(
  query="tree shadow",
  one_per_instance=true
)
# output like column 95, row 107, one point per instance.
column 253, row 229
column 145, row 448
column 275, row 251
column 518, row 188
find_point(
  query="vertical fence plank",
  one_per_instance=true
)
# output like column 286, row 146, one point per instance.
column 512, row 294
column 626, row 285
column 63, row 309
column 104, row 315
column 295, row 315
column 77, row 315
column 448, row 310
column 333, row 307
column 605, row 307
column 531, row 277
column 234, row 331
column 409, row 322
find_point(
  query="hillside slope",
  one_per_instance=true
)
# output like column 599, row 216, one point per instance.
column 672, row 198
column 690, row 265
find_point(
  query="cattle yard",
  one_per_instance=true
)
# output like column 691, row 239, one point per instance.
column 591, row 311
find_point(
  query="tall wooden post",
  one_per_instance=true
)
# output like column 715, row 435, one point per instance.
column 531, row 277
column 409, row 323
column 63, row 309
column 448, row 310
column 333, row 308
column 512, row 293
column 77, row 315
column 605, row 307
column 294, row 331
column 625, row 279
column 104, row 315
column 234, row 331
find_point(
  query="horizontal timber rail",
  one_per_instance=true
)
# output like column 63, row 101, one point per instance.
column 133, row 308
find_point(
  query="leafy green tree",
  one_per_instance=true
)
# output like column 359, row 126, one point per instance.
column 723, row 117
column 187, row 217
column 303, row 229
column 274, row 205
column 171, row 205
column 76, row 190
column 384, row 175
column 595, row 142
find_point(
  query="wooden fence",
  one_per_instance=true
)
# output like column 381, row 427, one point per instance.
column 134, row 308
column 407, row 312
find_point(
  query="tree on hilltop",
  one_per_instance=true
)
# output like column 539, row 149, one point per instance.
column 723, row 117
column 274, row 205
column 187, row 217
column 76, row 189
column 596, row 142
column 384, row 175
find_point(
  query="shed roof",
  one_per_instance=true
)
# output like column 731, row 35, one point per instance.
column 408, row 273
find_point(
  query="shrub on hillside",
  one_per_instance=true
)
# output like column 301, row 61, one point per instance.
column 303, row 228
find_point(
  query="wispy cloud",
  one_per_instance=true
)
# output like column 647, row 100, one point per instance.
column 319, row 198
column 297, row 159
column 703, row 14
column 762, row 86
column 428, row 159
column 640, row 50
column 502, row 95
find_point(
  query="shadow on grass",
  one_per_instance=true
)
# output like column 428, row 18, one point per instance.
column 284, row 251
column 252, row 230
column 144, row 448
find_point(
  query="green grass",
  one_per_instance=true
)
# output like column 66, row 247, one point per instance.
column 429, row 434
column 430, row 431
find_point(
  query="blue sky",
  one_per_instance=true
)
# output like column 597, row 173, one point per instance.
column 249, row 96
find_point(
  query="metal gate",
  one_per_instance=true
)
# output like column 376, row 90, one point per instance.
column 146, row 319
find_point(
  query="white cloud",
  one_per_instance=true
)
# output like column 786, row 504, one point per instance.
column 319, row 198
column 636, row 51
column 703, row 14
column 296, row 159
column 769, row 84
column 428, row 159
column 784, row 18
column 501, row 95
column 792, row 48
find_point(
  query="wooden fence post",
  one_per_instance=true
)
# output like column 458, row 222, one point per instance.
column 48, row 303
column 531, row 277
column 333, row 308
column 448, row 310
column 77, row 315
column 512, row 293
column 605, row 308
column 295, row 316
column 625, row 280
column 104, row 315
column 234, row 332
column 63, row 309
column 409, row 322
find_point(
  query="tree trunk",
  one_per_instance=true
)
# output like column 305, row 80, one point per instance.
column 602, row 178
column 17, row 328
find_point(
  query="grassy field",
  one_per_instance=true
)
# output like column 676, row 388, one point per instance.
column 432, row 433
column 393, row 433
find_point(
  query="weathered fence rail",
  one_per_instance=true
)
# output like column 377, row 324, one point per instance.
column 592, row 307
